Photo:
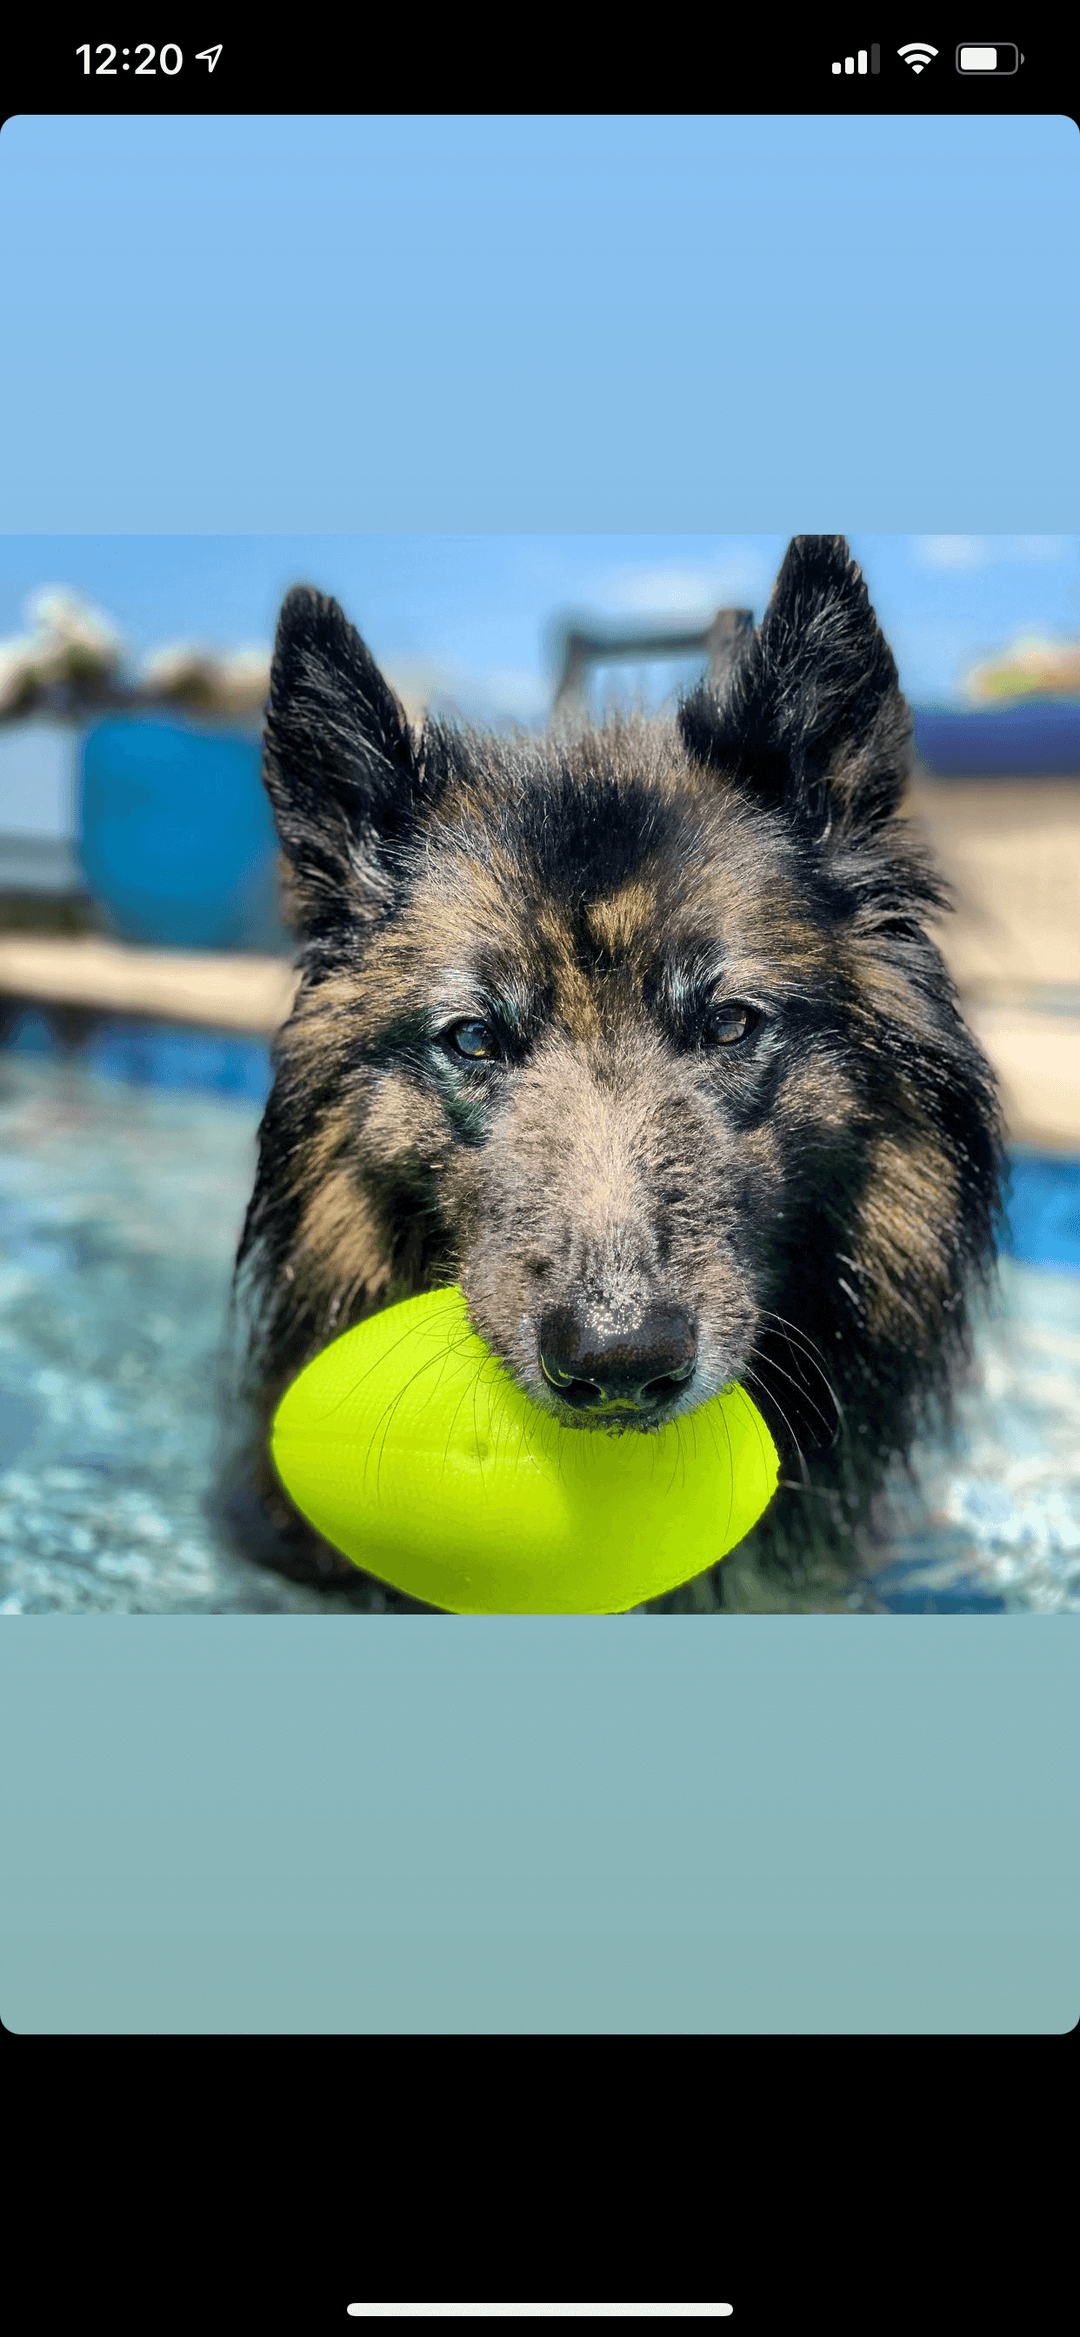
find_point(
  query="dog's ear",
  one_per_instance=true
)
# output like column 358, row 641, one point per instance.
column 810, row 718
column 341, row 767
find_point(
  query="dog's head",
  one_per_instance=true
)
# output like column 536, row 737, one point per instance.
column 636, row 1034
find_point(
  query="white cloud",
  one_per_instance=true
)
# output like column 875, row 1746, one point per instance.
column 743, row 580
column 967, row 553
column 444, row 685
column 955, row 552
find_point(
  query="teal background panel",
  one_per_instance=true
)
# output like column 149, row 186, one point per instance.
column 769, row 1825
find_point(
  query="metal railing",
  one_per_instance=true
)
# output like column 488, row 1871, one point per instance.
column 581, row 649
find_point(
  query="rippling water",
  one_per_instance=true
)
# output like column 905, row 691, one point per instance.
column 124, row 1175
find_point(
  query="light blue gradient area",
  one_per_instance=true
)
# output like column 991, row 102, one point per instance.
column 783, row 1825
column 539, row 322
column 446, row 327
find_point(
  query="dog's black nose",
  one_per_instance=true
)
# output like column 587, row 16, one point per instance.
column 643, row 1369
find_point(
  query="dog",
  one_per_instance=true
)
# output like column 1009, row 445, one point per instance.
column 637, row 1033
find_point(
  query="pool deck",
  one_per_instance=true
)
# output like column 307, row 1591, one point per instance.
column 215, row 989
column 1011, row 850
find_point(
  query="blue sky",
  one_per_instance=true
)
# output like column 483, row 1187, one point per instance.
column 468, row 617
column 463, row 622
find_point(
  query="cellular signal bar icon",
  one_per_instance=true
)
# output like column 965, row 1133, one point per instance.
column 857, row 63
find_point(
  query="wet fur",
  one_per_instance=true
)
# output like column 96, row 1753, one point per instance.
column 821, row 1198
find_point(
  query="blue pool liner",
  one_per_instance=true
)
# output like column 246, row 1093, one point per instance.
column 173, row 1056
column 1044, row 1210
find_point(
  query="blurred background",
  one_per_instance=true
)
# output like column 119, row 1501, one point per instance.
column 144, row 966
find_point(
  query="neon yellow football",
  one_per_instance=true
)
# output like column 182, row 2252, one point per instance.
column 410, row 1448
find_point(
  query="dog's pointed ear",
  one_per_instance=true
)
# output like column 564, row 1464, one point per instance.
column 345, row 776
column 810, row 719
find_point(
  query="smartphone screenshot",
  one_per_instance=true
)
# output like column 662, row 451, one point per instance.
column 540, row 1082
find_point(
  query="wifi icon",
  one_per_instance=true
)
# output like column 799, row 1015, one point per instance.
column 916, row 54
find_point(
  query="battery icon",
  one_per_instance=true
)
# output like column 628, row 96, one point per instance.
column 988, row 57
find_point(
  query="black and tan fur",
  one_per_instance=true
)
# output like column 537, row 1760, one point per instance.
column 639, row 1036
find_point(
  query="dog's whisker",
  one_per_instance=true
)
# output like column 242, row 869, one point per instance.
column 767, row 1392
column 796, row 1332
column 769, row 1364
column 791, row 1342
column 389, row 1410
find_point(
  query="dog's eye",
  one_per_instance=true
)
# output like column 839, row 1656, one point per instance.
column 726, row 1024
column 476, row 1041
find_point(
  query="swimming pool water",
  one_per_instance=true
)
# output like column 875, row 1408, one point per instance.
column 125, row 1170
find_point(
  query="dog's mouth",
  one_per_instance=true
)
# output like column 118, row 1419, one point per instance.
column 591, row 1372
column 588, row 1403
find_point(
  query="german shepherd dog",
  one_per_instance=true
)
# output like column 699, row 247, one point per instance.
column 637, row 1034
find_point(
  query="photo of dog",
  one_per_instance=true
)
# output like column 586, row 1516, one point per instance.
column 635, row 1032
